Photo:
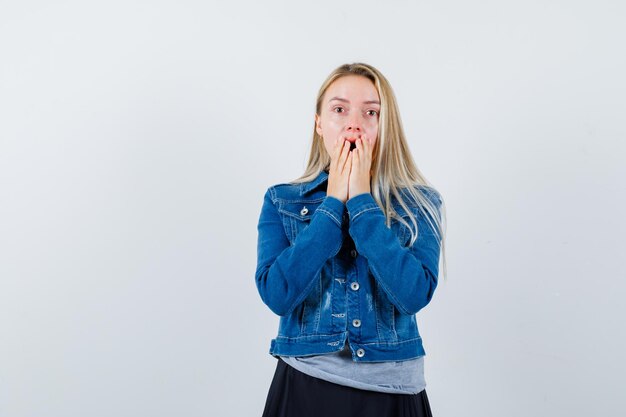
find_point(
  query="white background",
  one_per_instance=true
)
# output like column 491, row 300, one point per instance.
column 137, row 140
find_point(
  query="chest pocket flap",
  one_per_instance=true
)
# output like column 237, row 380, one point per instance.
column 297, row 216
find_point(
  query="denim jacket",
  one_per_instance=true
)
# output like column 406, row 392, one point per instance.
column 335, row 272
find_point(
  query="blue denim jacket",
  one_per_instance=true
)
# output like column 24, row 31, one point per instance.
column 335, row 271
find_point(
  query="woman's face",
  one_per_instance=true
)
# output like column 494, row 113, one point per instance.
column 350, row 108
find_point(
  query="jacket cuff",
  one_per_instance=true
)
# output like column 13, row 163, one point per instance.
column 333, row 208
column 360, row 204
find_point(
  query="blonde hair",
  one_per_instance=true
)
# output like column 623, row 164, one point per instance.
column 394, row 172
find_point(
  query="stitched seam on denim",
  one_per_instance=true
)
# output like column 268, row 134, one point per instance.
column 314, row 322
column 376, row 295
column 413, row 340
column 389, row 294
column 294, row 215
column 330, row 214
column 272, row 196
column 319, row 303
column 301, row 200
column 361, row 207
column 363, row 211
column 333, row 288
column 393, row 323
column 310, row 336
column 292, row 229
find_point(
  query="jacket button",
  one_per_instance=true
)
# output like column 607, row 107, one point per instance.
column 356, row 323
column 353, row 253
column 360, row 353
column 304, row 211
column 354, row 286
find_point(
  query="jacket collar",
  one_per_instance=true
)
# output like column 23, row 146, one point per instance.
column 307, row 187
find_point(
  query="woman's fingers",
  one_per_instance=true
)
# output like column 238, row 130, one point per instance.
column 348, row 166
column 367, row 145
column 336, row 158
column 339, row 173
column 343, row 159
column 362, row 154
column 365, row 149
column 335, row 154
column 358, row 151
column 345, row 151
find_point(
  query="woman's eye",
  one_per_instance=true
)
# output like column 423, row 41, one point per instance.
column 373, row 111
column 338, row 108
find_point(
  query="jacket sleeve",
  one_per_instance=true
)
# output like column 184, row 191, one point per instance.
column 407, row 275
column 285, row 273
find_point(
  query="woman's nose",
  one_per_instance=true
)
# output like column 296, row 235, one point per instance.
column 354, row 125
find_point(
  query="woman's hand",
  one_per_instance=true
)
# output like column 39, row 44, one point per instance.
column 361, row 165
column 339, row 172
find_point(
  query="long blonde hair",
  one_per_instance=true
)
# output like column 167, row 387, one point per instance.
column 394, row 172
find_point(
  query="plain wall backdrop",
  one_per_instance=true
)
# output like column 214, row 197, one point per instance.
column 137, row 139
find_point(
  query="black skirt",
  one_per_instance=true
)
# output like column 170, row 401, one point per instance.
column 296, row 394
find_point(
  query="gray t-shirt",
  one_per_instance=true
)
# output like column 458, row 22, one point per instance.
column 402, row 377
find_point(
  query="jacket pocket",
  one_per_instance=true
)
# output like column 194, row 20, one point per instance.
column 297, row 216
column 385, row 317
column 309, row 321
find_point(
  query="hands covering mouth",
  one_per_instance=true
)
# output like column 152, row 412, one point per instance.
column 350, row 167
column 352, row 141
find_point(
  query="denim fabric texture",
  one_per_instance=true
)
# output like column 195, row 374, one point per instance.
column 335, row 272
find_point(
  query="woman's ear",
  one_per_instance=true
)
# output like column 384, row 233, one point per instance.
column 318, row 124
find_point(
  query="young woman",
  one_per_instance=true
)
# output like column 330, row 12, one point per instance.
column 347, row 254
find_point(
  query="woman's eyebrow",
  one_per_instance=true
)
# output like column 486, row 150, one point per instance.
column 348, row 101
